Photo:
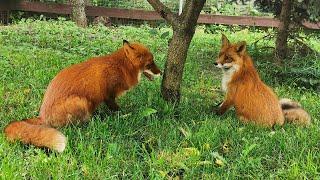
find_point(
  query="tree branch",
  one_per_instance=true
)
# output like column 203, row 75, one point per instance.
column 191, row 10
column 185, row 8
column 164, row 12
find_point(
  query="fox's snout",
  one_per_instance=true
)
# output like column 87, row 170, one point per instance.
column 152, row 71
column 224, row 66
column 156, row 71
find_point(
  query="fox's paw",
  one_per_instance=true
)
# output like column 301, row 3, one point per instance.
column 217, row 112
column 216, row 109
column 112, row 105
column 114, row 108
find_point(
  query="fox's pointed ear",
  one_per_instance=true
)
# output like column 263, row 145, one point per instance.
column 125, row 42
column 225, row 41
column 129, row 51
column 241, row 47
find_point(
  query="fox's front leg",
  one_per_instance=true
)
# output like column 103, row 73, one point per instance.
column 112, row 104
column 114, row 92
column 225, row 105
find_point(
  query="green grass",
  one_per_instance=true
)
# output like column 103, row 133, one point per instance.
column 149, row 138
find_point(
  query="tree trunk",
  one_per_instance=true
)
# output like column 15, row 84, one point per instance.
column 177, row 54
column 184, row 26
column 283, row 30
column 79, row 12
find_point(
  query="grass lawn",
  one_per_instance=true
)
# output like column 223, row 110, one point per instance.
column 149, row 138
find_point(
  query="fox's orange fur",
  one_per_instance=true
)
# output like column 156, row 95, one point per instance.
column 76, row 91
column 253, row 100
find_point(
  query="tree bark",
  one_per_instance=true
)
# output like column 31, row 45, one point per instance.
column 183, row 31
column 79, row 12
column 283, row 30
column 173, row 72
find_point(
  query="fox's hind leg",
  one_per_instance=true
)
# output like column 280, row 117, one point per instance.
column 72, row 110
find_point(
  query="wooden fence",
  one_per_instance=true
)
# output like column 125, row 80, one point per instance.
column 65, row 9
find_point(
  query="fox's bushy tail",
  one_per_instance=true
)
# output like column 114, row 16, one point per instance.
column 32, row 131
column 294, row 113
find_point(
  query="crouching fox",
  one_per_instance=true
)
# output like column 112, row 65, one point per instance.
column 76, row 91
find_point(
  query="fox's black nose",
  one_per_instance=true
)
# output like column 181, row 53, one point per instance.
column 215, row 63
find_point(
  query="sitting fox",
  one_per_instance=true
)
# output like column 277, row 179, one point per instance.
column 76, row 91
column 253, row 100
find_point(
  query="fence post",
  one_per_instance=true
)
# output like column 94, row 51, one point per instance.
column 5, row 7
column 180, row 6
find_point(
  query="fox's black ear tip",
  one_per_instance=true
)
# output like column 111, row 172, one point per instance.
column 125, row 41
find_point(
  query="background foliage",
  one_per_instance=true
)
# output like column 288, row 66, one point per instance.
column 302, row 9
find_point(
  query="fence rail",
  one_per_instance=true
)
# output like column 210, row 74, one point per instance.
column 65, row 9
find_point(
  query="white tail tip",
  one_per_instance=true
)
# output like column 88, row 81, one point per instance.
column 60, row 142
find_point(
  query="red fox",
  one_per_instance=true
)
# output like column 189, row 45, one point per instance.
column 253, row 100
column 76, row 91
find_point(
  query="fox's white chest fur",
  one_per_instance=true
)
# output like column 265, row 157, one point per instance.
column 227, row 77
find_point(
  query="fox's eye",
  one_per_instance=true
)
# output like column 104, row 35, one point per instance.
column 149, row 65
column 229, row 60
